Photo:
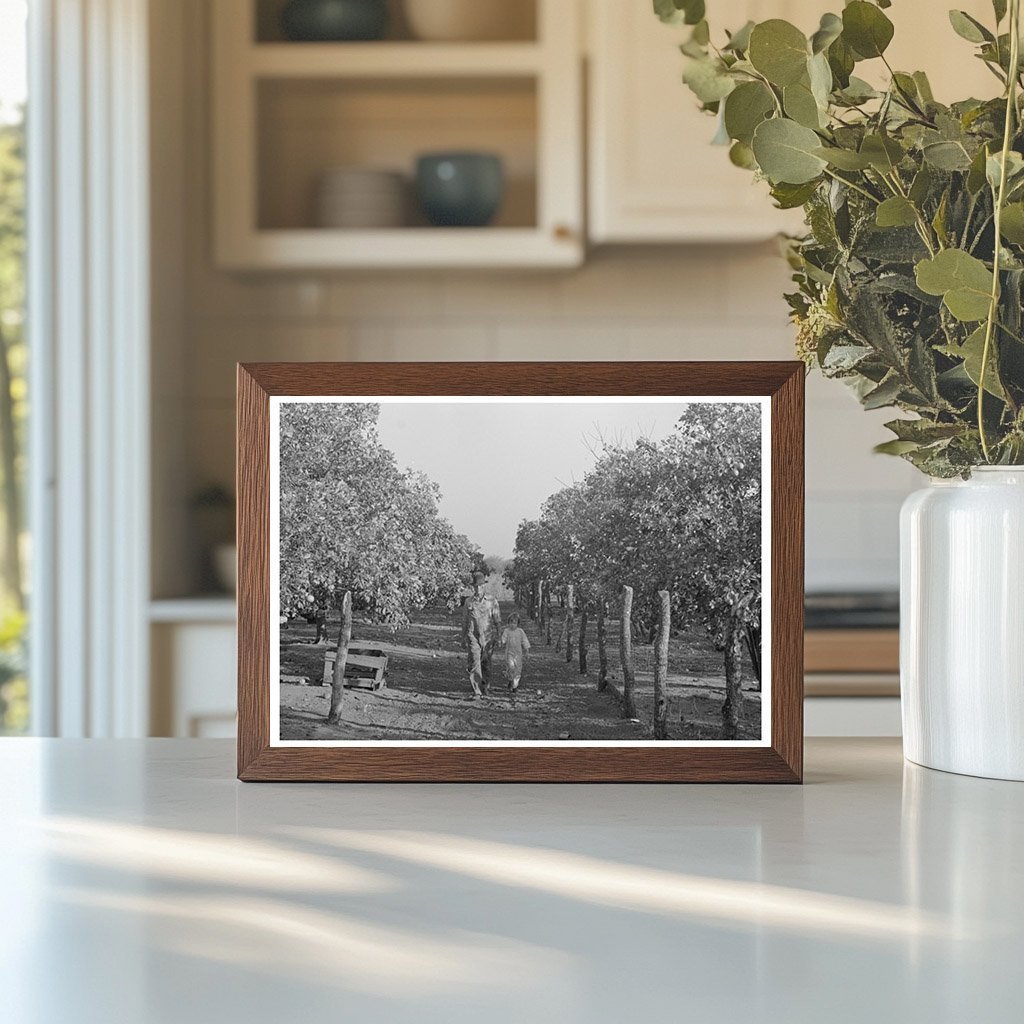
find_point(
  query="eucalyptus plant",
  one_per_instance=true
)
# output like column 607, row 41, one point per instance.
column 909, row 280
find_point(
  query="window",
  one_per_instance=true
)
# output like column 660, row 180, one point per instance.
column 14, row 551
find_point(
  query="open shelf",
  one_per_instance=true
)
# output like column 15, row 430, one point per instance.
column 393, row 60
column 308, row 127
column 407, row 248
column 520, row 17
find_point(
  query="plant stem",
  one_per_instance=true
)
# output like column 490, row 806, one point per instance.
column 856, row 188
column 993, row 309
column 922, row 225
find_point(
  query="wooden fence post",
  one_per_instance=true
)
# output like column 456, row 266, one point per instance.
column 626, row 652
column 570, row 620
column 338, row 679
column 661, row 666
column 733, row 676
column 602, row 646
column 584, row 616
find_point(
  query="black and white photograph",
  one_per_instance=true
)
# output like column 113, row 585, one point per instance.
column 457, row 571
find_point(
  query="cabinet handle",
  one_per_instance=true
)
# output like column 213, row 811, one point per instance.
column 563, row 232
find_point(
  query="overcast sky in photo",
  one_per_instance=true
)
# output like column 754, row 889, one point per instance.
column 496, row 463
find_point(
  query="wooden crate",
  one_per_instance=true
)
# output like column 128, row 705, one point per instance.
column 365, row 669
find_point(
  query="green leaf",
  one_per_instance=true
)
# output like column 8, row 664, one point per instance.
column 896, row 212
column 694, row 49
column 939, row 220
column 789, row 197
column 841, row 60
column 924, row 87
column 830, row 29
column 745, row 108
column 785, row 152
column 921, row 185
column 820, row 76
column 778, row 50
column 739, row 41
column 999, row 7
column 676, row 12
column 741, row 155
column 1012, row 225
column 963, row 281
column 976, row 174
column 800, row 105
column 1014, row 169
column 947, row 156
column 923, row 431
column 969, row 28
column 906, row 90
column 971, row 352
column 882, row 153
column 866, row 29
column 694, row 10
column 885, row 394
column 708, row 80
column 844, row 159
column 896, row 447
column 858, row 91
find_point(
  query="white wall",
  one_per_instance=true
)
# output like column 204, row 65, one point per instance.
column 665, row 303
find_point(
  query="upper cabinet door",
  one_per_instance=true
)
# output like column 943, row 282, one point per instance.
column 654, row 175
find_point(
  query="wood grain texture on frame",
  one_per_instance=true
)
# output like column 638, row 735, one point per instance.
column 782, row 761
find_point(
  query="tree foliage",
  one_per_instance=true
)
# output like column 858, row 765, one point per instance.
column 910, row 278
column 682, row 515
column 352, row 520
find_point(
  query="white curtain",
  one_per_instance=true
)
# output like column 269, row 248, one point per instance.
column 88, row 319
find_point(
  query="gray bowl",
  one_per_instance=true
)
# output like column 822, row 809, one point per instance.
column 461, row 190
column 334, row 20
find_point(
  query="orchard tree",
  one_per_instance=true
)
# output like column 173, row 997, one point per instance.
column 681, row 515
column 353, row 521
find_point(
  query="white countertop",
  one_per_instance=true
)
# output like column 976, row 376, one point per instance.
column 143, row 885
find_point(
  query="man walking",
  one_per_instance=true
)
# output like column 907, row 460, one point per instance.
column 481, row 628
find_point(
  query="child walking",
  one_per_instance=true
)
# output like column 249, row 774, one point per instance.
column 516, row 644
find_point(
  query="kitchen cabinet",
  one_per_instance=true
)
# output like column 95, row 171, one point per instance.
column 193, row 669
column 287, row 113
column 653, row 175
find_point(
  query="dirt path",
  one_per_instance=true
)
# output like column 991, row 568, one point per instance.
column 428, row 696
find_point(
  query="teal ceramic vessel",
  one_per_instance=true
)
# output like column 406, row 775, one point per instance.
column 461, row 190
column 334, row 21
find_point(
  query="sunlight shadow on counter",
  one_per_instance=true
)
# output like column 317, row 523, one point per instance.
column 646, row 890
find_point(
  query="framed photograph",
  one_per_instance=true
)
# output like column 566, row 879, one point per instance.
column 521, row 572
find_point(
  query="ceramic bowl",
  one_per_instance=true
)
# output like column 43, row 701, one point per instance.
column 358, row 197
column 470, row 20
column 460, row 189
column 334, row 20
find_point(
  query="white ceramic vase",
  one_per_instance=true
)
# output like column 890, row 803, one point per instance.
column 962, row 624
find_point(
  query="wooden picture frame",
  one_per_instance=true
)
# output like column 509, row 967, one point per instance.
column 778, row 759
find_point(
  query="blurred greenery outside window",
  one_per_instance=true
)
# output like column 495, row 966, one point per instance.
column 14, row 548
